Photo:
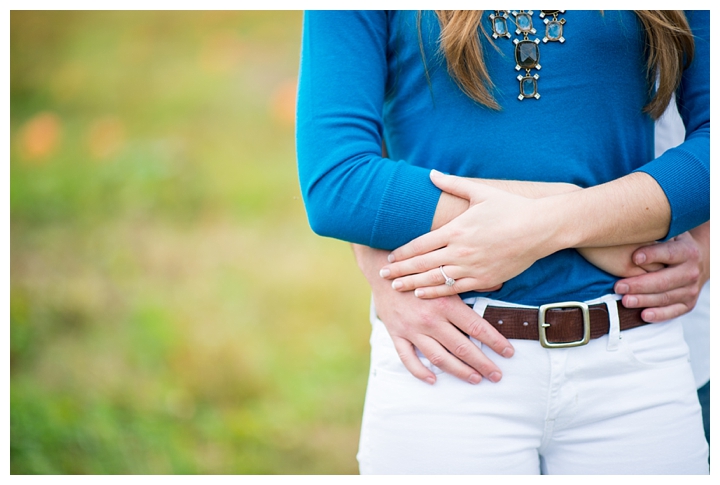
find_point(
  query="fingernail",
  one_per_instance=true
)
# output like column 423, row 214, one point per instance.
column 495, row 376
column 632, row 301
column 474, row 379
column 384, row 273
column 397, row 284
column 437, row 173
column 391, row 258
column 419, row 293
column 507, row 352
column 649, row 316
column 640, row 258
column 622, row 288
column 430, row 380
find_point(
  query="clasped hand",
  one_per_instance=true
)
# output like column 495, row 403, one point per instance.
column 496, row 239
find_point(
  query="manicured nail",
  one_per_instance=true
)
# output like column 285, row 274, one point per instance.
column 419, row 293
column 397, row 284
column 391, row 258
column 649, row 316
column 640, row 258
column 507, row 352
column 474, row 379
column 384, row 272
column 495, row 376
column 436, row 173
column 430, row 380
column 622, row 288
column 632, row 302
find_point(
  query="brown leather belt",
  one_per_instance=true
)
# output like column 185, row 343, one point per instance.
column 560, row 324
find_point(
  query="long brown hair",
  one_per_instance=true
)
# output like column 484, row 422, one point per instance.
column 669, row 50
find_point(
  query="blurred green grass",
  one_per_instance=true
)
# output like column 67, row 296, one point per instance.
column 170, row 309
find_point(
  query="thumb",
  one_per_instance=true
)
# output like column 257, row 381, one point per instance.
column 460, row 186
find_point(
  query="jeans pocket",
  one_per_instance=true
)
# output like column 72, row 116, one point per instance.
column 656, row 344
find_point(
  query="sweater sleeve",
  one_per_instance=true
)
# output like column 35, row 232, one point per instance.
column 684, row 172
column 350, row 191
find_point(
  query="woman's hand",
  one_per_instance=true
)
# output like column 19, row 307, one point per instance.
column 674, row 290
column 498, row 237
column 432, row 327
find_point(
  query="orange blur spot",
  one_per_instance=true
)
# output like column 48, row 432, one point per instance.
column 40, row 136
column 282, row 102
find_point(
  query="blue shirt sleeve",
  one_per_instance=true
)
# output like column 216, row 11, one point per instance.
column 350, row 191
column 684, row 172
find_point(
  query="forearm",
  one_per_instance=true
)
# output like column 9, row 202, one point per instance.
column 450, row 206
column 631, row 209
column 370, row 261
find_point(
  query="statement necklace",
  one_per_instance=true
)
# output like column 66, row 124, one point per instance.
column 527, row 51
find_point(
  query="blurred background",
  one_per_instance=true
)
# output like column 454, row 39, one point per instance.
column 170, row 309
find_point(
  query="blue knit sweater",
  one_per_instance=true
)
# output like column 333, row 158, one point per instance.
column 362, row 80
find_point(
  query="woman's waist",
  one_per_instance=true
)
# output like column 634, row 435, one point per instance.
column 563, row 276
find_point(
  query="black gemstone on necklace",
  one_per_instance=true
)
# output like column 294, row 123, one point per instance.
column 527, row 54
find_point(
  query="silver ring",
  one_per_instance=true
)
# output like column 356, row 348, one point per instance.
column 448, row 281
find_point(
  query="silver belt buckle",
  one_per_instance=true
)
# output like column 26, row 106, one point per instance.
column 542, row 324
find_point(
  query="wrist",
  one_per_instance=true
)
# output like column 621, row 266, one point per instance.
column 557, row 223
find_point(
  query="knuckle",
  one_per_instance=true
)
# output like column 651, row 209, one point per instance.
column 415, row 247
column 437, row 358
column 463, row 350
column 694, row 274
column 671, row 252
column 404, row 356
column 477, row 329
column 444, row 304
column 665, row 298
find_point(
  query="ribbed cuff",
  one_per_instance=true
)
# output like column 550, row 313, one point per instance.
column 686, row 183
column 407, row 207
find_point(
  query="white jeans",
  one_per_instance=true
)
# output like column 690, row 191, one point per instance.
column 623, row 404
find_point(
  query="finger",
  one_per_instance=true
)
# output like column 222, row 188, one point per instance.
column 659, row 281
column 461, row 187
column 433, row 277
column 420, row 245
column 415, row 265
column 655, row 315
column 670, row 253
column 460, row 286
column 650, row 267
column 441, row 358
column 477, row 327
column 686, row 295
column 462, row 348
column 406, row 352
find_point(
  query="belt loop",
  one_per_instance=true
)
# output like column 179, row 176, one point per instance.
column 614, row 333
column 481, row 303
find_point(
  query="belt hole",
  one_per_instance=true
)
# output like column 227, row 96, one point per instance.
column 500, row 322
column 525, row 323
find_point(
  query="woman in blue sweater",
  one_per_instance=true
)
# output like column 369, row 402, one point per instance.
column 545, row 121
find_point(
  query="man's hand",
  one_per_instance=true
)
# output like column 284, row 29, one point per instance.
column 432, row 326
column 674, row 290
